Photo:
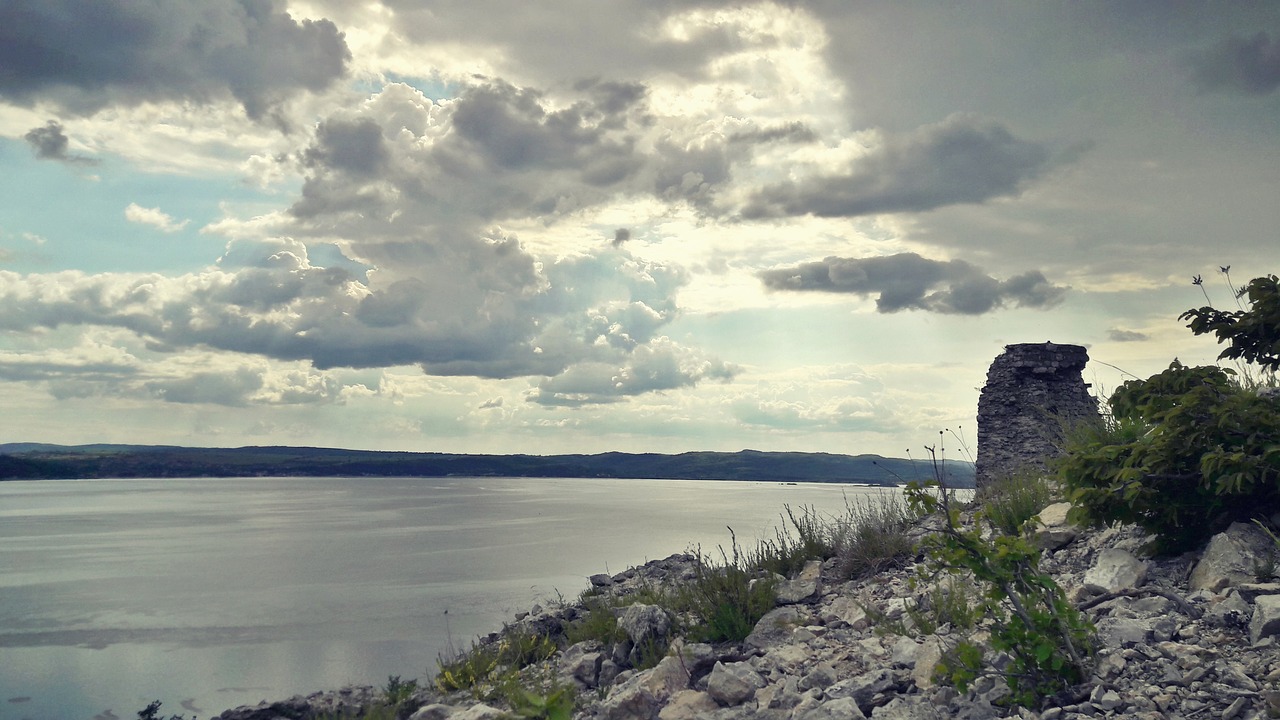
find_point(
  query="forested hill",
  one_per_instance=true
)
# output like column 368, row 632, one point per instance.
column 38, row 461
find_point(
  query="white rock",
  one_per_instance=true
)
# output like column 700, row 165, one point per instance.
column 1115, row 569
column 479, row 712
column 845, row 610
column 1232, row 558
column 803, row 586
column 1266, row 617
column 904, row 652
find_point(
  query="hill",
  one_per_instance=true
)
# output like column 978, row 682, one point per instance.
column 39, row 461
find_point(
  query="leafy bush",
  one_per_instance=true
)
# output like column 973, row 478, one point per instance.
column 1252, row 335
column 1192, row 449
column 1047, row 640
column 1186, row 453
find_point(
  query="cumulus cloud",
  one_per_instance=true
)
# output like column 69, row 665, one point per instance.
column 103, row 368
column 266, row 299
column 415, row 191
column 154, row 217
column 662, row 365
column 908, row 281
column 85, row 56
column 51, row 143
column 620, row 236
column 963, row 159
column 1244, row 64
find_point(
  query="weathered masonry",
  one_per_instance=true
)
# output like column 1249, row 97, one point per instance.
column 1034, row 392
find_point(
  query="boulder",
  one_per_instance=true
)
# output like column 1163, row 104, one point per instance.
column 1266, row 617
column 688, row 705
column 927, row 659
column 581, row 663
column 1115, row 569
column 812, row 708
column 802, row 587
column 863, row 688
column 734, row 683
column 775, row 628
column 644, row 623
column 434, row 711
column 846, row 610
column 1232, row 558
column 479, row 712
column 1055, row 530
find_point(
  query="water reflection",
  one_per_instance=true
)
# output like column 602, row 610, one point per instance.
column 218, row 592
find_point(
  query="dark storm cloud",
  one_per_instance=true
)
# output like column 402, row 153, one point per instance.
column 963, row 159
column 353, row 146
column 792, row 132
column 50, row 143
column 83, row 56
column 620, row 236
column 512, row 129
column 1246, row 64
column 910, row 282
column 615, row 98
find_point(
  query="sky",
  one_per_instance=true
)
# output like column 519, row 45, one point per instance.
column 579, row 226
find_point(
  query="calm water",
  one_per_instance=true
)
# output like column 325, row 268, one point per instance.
column 211, row 593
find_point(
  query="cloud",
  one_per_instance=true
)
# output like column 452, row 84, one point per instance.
column 908, row 281
column 153, row 217
column 620, row 236
column 416, row 191
column 50, row 143
column 104, row 368
column 662, row 365
column 1122, row 335
column 963, row 159
column 792, row 132
column 1238, row 63
column 83, row 57
column 493, row 320
column 209, row 387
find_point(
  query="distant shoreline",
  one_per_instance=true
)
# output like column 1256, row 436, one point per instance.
column 38, row 461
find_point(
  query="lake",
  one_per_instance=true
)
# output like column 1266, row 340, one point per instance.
column 211, row 593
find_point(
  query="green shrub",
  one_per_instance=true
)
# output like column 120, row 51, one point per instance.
column 1186, row 453
column 488, row 662
column 872, row 535
column 724, row 601
column 599, row 623
column 805, row 536
column 1047, row 640
column 1251, row 335
column 1009, row 502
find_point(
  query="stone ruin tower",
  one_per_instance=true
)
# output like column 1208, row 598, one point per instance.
column 1034, row 392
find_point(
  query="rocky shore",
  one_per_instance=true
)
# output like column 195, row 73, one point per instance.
column 1192, row 636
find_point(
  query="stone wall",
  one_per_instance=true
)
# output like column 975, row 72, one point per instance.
column 1034, row 392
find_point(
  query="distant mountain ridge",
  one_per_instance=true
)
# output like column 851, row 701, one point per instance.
column 45, row 461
